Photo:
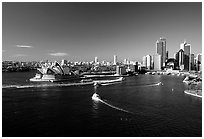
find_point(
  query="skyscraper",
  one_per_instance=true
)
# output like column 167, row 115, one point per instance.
column 144, row 61
column 63, row 62
column 148, row 62
column 161, row 50
column 114, row 60
column 157, row 62
column 192, row 62
column 187, row 51
column 167, row 55
column 125, row 61
column 199, row 62
column 96, row 60
column 181, row 59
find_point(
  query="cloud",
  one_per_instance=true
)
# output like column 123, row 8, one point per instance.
column 58, row 54
column 24, row 46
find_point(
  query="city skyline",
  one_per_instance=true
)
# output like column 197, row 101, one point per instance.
column 83, row 31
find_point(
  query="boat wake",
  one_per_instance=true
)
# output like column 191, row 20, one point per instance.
column 44, row 85
column 105, row 84
column 114, row 107
column 156, row 84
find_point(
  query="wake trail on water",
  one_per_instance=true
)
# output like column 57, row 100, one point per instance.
column 110, row 83
column 156, row 84
column 114, row 107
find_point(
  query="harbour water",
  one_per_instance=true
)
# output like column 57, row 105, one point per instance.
column 143, row 105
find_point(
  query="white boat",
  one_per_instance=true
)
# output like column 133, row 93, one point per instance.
column 86, row 80
column 99, row 82
column 96, row 97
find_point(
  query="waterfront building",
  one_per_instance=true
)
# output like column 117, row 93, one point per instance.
column 149, row 62
column 187, row 51
column 120, row 70
column 128, row 62
column 63, row 62
column 161, row 50
column 125, row 61
column 157, row 62
column 144, row 61
column 180, row 59
column 136, row 66
column 103, row 63
column 167, row 55
column 96, row 60
column 192, row 62
column 114, row 60
column 199, row 62
column 130, row 68
column 171, row 64
column 132, row 62
column 108, row 63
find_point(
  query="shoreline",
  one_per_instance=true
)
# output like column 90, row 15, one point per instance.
column 193, row 93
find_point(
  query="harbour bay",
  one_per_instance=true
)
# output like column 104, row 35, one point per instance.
column 156, row 109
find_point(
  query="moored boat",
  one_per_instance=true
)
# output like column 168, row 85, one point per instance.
column 100, row 82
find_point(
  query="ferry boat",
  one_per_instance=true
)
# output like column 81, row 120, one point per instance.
column 101, row 82
column 54, row 73
column 95, row 97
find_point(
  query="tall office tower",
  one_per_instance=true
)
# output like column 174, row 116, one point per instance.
column 187, row 51
column 148, row 62
column 199, row 62
column 114, row 60
column 180, row 59
column 96, row 60
column 128, row 62
column 136, row 67
column 167, row 55
column 157, row 62
column 144, row 61
column 125, row 61
column 176, row 57
column 161, row 50
column 192, row 62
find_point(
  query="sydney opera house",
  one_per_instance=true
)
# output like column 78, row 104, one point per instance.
column 54, row 72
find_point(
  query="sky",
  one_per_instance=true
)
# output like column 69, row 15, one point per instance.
column 35, row 31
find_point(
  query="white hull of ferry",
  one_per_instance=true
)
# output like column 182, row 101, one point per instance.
column 109, row 81
column 40, row 80
column 95, row 97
